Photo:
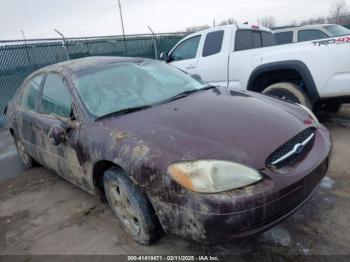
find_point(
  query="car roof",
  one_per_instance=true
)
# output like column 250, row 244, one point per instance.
column 238, row 26
column 253, row 27
column 288, row 28
column 80, row 64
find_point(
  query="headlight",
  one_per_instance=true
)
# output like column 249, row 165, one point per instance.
column 317, row 123
column 212, row 176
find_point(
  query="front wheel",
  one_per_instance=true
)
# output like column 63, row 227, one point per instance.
column 289, row 92
column 132, row 207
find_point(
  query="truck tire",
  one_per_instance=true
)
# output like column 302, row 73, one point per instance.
column 331, row 107
column 132, row 207
column 290, row 92
column 26, row 159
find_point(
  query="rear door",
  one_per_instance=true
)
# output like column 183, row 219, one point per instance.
column 25, row 118
column 184, row 55
column 246, row 54
column 56, row 100
column 213, row 57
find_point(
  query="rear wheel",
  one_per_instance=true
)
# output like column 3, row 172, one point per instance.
column 132, row 207
column 289, row 92
column 26, row 159
column 331, row 107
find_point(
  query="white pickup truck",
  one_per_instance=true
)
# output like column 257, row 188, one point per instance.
column 314, row 73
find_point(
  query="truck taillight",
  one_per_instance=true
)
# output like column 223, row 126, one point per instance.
column 255, row 27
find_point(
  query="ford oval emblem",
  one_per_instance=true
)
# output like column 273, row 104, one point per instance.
column 299, row 148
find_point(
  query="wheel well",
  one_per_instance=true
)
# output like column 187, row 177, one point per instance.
column 98, row 171
column 263, row 80
column 12, row 132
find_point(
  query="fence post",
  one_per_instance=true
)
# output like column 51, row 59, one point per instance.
column 63, row 43
column 154, row 43
column 26, row 47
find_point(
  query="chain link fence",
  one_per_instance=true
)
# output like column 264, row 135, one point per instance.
column 18, row 59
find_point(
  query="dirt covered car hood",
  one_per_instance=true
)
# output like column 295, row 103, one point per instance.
column 216, row 124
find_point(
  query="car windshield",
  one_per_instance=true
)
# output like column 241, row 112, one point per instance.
column 337, row 30
column 120, row 86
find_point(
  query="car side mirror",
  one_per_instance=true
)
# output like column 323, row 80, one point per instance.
column 57, row 135
column 68, row 122
column 164, row 56
column 197, row 77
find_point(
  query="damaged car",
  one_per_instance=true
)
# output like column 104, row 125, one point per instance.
column 168, row 152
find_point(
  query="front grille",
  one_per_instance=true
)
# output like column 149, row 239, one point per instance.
column 288, row 147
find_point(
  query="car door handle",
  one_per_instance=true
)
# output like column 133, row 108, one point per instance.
column 191, row 67
column 38, row 128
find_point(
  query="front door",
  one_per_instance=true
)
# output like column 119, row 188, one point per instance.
column 56, row 100
column 184, row 56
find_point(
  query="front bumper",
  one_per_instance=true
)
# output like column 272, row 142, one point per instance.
column 248, row 211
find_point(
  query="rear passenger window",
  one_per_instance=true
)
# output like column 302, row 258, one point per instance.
column 56, row 98
column 31, row 93
column 284, row 38
column 213, row 43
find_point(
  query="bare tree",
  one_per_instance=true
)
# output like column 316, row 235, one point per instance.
column 268, row 21
column 294, row 23
column 339, row 10
column 230, row 21
column 314, row 21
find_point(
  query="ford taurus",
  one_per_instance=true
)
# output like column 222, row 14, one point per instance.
column 168, row 152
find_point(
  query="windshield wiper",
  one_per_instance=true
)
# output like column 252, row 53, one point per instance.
column 188, row 92
column 138, row 108
column 124, row 111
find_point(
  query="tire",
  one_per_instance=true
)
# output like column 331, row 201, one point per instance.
column 290, row 92
column 132, row 207
column 331, row 107
column 26, row 159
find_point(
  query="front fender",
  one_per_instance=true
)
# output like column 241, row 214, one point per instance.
column 295, row 65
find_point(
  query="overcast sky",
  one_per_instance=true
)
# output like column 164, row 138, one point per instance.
column 38, row 18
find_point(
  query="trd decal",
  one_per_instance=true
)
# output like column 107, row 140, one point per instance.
column 337, row 41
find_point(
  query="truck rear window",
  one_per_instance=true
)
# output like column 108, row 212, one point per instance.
column 243, row 40
column 284, row 38
column 267, row 39
column 250, row 39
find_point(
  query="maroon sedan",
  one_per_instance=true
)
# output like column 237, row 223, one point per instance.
column 169, row 152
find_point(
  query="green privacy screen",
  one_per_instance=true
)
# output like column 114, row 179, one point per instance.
column 19, row 59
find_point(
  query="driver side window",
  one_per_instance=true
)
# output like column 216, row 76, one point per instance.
column 186, row 50
column 56, row 98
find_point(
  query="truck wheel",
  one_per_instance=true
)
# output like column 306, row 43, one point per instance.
column 290, row 92
column 26, row 159
column 132, row 207
column 331, row 107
